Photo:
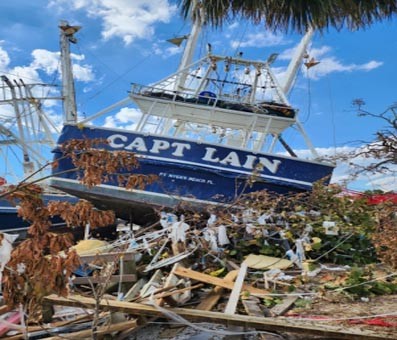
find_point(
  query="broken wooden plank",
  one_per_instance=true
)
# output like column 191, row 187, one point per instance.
column 134, row 291
column 232, row 265
column 142, row 322
column 49, row 326
column 128, row 268
column 185, row 272
column 213, row 297
column 153, row 284
column 107, row 257
column 99, row 279
column 178, row 291
column 315, row 327
column 282, row 307
column 251, row 306
column 236, row 291
column 88, row 333
column 172, row 281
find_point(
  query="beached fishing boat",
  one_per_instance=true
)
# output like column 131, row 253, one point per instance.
column 208, row 132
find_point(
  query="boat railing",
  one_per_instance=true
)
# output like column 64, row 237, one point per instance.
column 211, row 99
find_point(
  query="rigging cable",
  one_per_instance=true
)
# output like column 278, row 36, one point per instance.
column 240, row 40
column 332, row 114
column 309, row 98
column 118, row 76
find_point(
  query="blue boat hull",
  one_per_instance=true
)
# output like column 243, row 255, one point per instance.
column 189, row 172
column 11, row 222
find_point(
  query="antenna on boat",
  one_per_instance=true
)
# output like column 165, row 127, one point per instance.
column 187, row 57
column 68, row 92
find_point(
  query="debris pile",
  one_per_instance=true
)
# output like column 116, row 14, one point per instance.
column 267, row 271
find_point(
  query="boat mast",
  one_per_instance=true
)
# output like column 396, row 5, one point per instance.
column 187, row 57
column 296, row 61
column 68, row 92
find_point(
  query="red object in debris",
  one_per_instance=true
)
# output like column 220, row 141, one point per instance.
column 374, row 322
column 371, row 199
column 3, row 181
column 14, row 318
column 381, row 198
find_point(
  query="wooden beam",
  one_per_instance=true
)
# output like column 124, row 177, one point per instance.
column 49, row 326
column 113, row 278
column 185, row 272
column 252, row 308
column 213, row 297
column 236, row 291
column 108, row 257
column 315, row 327
column 88, row 333
column 178, row 291
column 281, row 308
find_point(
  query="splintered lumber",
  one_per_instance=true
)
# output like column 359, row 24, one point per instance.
column 281, row 308
column 87, row 333
column 251, row 306
column 172, row 281
column 153, row 284
column 185, row 272
column 128, row 270
column 100, row 279
column 279, row 324
column 107, row 257
column 178, row 291
column 213, row 297
column 236, row 291
column 134, row 291
column 49, row 326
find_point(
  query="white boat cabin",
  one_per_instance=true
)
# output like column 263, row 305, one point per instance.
column 223, row 100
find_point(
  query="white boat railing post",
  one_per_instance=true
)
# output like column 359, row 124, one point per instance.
column 273, row 143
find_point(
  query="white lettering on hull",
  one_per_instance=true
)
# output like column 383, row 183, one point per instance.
column 157, row 146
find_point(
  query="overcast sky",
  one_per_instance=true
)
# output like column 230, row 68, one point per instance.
column 124, row 41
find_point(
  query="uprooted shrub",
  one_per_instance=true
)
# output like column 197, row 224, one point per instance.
column 43, row 263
